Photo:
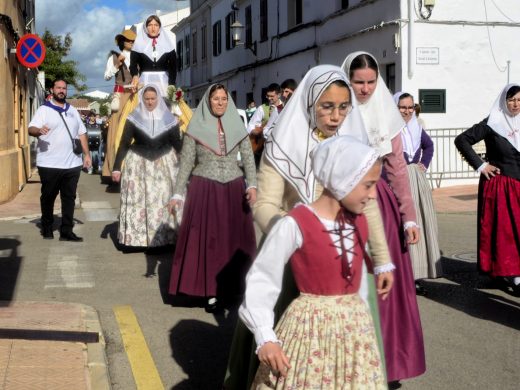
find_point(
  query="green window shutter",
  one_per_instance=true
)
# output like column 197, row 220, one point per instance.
column 432, row 100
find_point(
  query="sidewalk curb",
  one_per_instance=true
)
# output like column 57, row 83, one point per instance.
column 96, row 355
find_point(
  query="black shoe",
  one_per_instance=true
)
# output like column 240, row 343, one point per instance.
column 394, row 385
column 211, row 305
column 47, row 234
column 70, row 236
column 420, row 290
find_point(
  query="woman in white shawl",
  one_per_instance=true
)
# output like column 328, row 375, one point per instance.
column 400, row 320
column 499, row 188
column 153, row 56
column 148, row 147
column 321, row 107
column 418, row 152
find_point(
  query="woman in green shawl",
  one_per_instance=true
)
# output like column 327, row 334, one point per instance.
column 216, row 241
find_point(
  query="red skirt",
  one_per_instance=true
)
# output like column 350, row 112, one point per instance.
column 499, row 223
column 216, row 241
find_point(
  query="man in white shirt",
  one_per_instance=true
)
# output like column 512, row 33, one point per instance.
column 58, row 126
column 287, row 89
column 261, row 117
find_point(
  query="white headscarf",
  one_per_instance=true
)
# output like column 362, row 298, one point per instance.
column 154, row 122
column 501, row 120
column 165, row 42
column 340, row 163
column 293, row 138
column 382, row 119
column 411, row 132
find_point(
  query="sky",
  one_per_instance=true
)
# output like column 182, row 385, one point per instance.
column 93, row 24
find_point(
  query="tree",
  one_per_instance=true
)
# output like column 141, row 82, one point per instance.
column 54, row 65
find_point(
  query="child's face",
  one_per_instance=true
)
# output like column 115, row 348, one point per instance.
column 364, row 191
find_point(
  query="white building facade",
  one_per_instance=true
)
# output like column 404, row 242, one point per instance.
column 453, row 56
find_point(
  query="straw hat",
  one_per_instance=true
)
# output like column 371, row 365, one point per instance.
column 126, row 34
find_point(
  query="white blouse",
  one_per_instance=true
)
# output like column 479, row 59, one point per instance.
column 111, row 69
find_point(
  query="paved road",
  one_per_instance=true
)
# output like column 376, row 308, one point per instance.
column 471, row 328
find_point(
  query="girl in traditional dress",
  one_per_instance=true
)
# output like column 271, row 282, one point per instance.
column 418, row 153
column 216, row 240
column 148, row 148
column 400, row 320
column 118, row 66
column 499, row 187
column 326, row 337
column 321, row 107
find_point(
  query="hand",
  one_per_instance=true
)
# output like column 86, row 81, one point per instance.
column 44, row 130
column 173, row 205
column 421, row 167
column 251, row 196
column 116, row 176
column 272, row 355
column 490, row 171
column 257, row 130
column 412, row 235
column 87, row 161
column 135, row 82
column 121, row 58
column 385, row 281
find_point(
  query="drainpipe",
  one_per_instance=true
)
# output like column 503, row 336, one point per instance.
column 411, row 53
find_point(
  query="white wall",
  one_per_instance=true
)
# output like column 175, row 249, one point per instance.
column 466, row 66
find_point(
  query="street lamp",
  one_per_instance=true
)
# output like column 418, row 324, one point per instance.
column 236, row 32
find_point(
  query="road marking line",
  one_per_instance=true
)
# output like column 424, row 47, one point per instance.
column 143, row 367
column 67, row 270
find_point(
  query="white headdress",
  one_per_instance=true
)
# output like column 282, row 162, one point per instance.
column 154, row 122
column 292, row 139
column 339, row 163
column 382, row 119
column 411, row 132
column 501, row 120
column 164, row 42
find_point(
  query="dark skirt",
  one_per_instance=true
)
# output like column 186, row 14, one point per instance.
column 498, row 219
column 399, row 313
column 216, row 240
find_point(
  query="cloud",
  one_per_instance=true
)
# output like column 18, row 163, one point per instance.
column 93, row 25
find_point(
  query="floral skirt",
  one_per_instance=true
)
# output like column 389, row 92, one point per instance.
column 331, row 344
column 146, row 188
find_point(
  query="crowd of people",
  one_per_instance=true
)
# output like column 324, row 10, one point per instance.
column 331, row 170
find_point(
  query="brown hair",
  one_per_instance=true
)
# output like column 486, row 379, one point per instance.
column 363, row 61
column 152, row 17
column 216, row 87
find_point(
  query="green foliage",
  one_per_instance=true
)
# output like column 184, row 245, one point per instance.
column 54, row 65
column 103, row 110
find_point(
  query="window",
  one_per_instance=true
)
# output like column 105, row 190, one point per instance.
column 230, row 19
column 344, row 4
column 180, row 53
column 234, row 96
column 194, row 47
column 217, row 38
column 204, row 42
column 187, row 48
column 249, row 27
column 294, row 12
column 432, row 100
column 390, row 77
column 263, row 20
